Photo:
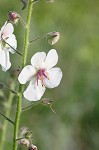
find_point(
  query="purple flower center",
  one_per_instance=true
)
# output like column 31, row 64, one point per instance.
column 41, row 75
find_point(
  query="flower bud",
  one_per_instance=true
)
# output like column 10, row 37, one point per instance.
column 47, row 102
column 53, row 37
column 13, row 17
column 28, row 135
column 32, row 147
column 25, row 142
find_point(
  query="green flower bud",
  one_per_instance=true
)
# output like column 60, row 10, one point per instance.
column 28, row 135
column 24, row 142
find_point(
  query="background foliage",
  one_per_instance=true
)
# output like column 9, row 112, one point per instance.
column 75, row 126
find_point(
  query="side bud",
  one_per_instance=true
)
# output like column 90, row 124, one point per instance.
column 24, row 142
column 53, row 37
column 13, row 17
column 32, row 147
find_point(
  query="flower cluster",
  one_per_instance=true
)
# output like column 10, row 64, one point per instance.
column 41, row 73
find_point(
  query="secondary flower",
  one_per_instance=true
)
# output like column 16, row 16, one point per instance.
column 7, row 44
column 41, row 74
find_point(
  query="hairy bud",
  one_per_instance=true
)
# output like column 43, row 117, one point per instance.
column 53, row 37
column 24, row 142
column 48, row 102
column 13, row 17
column 32, row 147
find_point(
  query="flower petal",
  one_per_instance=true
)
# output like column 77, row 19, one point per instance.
column 12, row 42
column 26, row 74
column 55, row 76
column 51, row 59
column 34, row 92
column 5, row 60
column 38, row 59
column 6, row 30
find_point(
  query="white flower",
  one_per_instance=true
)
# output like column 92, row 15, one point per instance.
column 40, row 74
column 7, row 36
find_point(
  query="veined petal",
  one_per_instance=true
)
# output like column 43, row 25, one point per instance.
column 55, row 76
column 5, row 60
column 51, row 58
column 26, row 74
column 6, row 30
column 12, row 42
column 38, row 59
column 34, row 92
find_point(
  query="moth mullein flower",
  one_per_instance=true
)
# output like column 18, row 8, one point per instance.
column 7, row 44
column 41, row 74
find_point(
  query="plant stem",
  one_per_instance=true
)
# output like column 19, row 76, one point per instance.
column 31, row 106
column 26, row 42
column 5, row 124
column 7, row 118
column 38, row 38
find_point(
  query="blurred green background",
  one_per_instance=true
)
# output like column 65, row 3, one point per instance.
column 75, row 126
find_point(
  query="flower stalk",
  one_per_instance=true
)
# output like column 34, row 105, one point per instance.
column 38, row 38
column 26, row 42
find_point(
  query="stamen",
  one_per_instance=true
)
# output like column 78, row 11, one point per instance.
column 41, row 74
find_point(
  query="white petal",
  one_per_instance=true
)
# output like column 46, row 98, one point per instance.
column 26, row 74
column 55, row 76
column 6, row 30
column 51, row 59
column 5, row 60
column 3, row 26
column 38, row 59
column 34, row 92
column 12, row 42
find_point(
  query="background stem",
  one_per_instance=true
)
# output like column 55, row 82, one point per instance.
column 26, row 42
column 5, row 124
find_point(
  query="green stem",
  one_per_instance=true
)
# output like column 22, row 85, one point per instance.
column 6, row 118
column 38, row 38
column 5, row 124
column 31, row 106
column 26, row 42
